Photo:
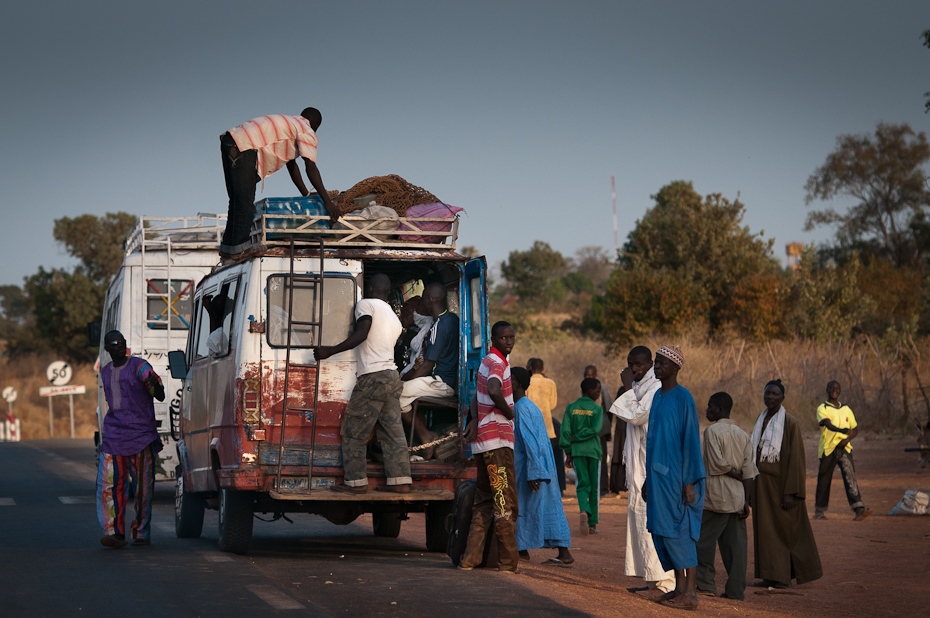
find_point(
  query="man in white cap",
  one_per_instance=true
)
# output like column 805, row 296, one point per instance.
column 674, row 488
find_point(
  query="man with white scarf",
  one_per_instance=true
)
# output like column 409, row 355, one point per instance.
column 633, row 406
column 784, row 542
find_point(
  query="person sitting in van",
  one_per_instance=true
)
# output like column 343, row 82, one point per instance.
column 416, row 320
column 374, row 401
column 217, row 343
column 437, row 374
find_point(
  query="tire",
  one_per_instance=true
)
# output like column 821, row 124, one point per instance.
column 188, row 510
column 438, row 528
column 236, row 517
column 386, row 525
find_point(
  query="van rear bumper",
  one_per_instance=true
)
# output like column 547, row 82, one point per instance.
column 242, row 479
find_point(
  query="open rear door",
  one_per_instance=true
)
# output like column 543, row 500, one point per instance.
column 475, row 328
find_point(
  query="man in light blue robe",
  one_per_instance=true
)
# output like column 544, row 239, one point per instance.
column 541, row 520
column 674, row 488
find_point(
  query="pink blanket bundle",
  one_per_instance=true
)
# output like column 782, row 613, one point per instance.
column 432, row 210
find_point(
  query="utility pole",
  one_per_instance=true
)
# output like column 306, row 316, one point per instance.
column 613, row 199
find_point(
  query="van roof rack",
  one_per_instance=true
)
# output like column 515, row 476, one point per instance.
column 417, row 233
column 202, row 232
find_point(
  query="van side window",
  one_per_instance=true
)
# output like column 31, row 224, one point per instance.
column 111, row 321
column 214, row 332
column 475, row 317
column 338, row 308
column 164, row 302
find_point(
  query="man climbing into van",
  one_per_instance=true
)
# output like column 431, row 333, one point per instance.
column 257, row 149
column 374, row 403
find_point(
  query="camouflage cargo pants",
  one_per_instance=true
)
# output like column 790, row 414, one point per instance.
column 375, row 405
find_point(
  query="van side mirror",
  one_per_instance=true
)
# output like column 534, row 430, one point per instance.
column 93, row 334
column 177, row 364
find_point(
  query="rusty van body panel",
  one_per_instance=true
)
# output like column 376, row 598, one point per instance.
column 260, row 418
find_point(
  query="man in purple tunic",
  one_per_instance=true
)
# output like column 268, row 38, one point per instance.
column 129, row 444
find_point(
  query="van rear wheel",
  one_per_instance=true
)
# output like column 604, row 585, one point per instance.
column 188, row 510
column 438, row 527
column 236, row 516
column 386, row 524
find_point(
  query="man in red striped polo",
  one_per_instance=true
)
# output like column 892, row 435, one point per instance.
column 257, row 149
column 492, row 446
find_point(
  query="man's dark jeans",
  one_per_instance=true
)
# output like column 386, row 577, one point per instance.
column 239, row 169
column 839, row 457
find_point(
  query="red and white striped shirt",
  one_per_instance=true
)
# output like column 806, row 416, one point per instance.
column 494, row 430
column 278, row 139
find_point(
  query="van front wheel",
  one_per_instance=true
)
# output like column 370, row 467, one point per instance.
column 236, row 516
column 188, row 510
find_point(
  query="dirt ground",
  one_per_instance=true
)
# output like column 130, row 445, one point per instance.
column 877, row 567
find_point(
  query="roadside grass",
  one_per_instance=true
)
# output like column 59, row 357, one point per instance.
column 874, row 386
column 27, row 375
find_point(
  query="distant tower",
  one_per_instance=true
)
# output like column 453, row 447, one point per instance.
column 794, row 250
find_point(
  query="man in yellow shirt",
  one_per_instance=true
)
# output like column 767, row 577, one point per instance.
column 543, row 393
column 837, row 428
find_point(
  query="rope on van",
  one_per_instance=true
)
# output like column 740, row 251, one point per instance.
column 414, row 449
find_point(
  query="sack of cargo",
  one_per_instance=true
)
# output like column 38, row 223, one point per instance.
column 914, row 502
column 432, row 210
column 309, row 206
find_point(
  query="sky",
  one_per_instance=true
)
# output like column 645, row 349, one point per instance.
column 519, row 112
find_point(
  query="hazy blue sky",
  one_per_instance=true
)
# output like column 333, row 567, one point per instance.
column 517, row 111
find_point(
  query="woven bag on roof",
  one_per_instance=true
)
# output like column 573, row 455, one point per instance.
column 392, row 191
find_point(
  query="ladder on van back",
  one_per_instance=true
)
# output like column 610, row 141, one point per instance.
column 315, row 281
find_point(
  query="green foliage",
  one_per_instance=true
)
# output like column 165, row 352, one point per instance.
column 825, row 303
column 58, row 304
column 884, row 175
column 639, row 302
column 702, row 243
column 96, row 241
column 535, row 274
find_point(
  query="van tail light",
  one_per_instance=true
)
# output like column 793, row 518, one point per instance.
column 251, row 395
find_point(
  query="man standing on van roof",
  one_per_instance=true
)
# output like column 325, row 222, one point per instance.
column 129, row 444
column 375, row 399
column 257, row 149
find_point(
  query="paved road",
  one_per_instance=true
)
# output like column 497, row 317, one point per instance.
column 51, row 563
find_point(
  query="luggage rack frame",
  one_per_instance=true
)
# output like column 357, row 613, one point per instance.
column 270, row 230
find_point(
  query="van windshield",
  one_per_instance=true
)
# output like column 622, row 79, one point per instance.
column 338, row 304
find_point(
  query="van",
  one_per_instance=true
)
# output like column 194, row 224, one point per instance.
column 149, row 300
column 260, row 417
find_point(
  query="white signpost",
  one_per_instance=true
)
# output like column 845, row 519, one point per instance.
column 9, row 427
column 59, row 374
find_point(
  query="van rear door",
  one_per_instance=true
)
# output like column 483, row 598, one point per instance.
column 475, row 327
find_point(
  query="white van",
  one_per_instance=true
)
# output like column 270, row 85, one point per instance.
column 150, row 302
column 260, row 422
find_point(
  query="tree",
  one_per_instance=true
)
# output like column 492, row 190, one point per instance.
column 702, row 242
column 61, row 303
column 825, row 303
column 640, row 302
column 535, row 274
column 884, row 175
column 96, row 241
column 595, row 264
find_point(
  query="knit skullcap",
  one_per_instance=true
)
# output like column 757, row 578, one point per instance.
column 672, row 353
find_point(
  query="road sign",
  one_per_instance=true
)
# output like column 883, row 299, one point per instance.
column 52, row 391
column 59, row 373
column 9, row 394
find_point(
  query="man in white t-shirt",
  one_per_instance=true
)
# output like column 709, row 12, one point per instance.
column 374, row 403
